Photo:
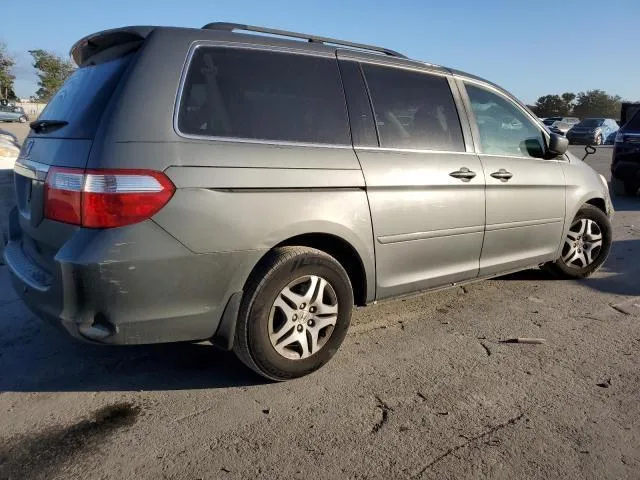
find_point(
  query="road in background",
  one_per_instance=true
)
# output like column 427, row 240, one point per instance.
column 421, row 388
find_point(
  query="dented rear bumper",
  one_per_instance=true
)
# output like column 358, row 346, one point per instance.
column 130, row 285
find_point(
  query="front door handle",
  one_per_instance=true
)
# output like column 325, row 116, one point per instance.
column 502, row 175
column 463, row 174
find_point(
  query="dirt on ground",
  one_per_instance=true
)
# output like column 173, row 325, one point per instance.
column 423, row 387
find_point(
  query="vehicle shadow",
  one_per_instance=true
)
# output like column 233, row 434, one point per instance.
column 619, row 275
column 35, row 357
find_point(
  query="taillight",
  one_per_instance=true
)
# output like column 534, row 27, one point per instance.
column 63, row 195
column 105, row 198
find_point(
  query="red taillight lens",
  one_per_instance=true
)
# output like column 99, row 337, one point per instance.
column 105, row 198
column 63, row 195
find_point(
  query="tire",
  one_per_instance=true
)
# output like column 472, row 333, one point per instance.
column 22, row 120
column 563, row 267
column 264, row 302
column 599, row 139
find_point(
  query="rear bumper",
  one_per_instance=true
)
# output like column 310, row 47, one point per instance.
column 129, row 285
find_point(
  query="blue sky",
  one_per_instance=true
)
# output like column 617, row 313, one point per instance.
column 529, row 47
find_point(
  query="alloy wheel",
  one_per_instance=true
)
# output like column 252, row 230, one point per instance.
column 302, row 317
column 582, row 244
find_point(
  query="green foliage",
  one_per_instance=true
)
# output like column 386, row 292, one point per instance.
column 6, row 77
column 568, row 99
column 597, row 103
column 552, row 106
column 52, row 72
column 593, row 103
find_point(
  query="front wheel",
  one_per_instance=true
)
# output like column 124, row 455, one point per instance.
column 586, row 245
column 295, row 313
column 599, row 139
column 22, row 119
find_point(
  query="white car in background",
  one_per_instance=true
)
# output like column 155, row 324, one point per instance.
column 9, row 150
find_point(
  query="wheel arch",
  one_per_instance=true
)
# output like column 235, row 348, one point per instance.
column 599, row 203
column 343, row 251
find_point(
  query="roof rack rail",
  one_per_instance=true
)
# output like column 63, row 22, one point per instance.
column 230, row 27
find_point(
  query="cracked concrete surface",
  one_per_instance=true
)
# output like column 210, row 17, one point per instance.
column 413, row 392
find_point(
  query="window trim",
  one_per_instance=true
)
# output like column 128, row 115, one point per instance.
column 255, row 141
column 461, row 80
column 458, row 104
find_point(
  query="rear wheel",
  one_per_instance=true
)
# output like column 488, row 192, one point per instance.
column 586, row 245
column 599, row 139
column 22, row 119
column 294, row 314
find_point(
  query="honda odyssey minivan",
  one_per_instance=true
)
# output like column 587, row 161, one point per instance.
column 207, row 184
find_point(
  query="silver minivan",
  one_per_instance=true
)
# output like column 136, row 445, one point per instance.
column 206, row 184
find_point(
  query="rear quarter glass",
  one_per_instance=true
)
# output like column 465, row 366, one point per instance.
column 83, row 98
column 263, row 95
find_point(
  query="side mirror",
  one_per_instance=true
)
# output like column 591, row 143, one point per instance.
column 558, row 145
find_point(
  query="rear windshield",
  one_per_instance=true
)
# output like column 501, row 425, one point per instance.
column 83, row 97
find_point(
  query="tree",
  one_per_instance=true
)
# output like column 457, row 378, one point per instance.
column 597, row 103
column 52, row 72
column 568, row 99
column 6, row 77
column 554, row 105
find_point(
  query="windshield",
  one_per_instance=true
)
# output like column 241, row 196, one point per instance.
column 83, row 97
column 550, row 121
column 591, row 122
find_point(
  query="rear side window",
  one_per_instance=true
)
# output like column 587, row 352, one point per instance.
column 634, row 123
column 413, row 109
column 263, row 95
column 83, row 98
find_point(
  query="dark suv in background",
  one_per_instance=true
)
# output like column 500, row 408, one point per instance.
column 625, row 166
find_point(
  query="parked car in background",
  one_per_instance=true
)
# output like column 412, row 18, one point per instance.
column 13, row 114
column 9, row 151
column 256, row 210
column 568, row 120
column 625, row 164
column 559, row 127
column 592, row 131
column 611, row 138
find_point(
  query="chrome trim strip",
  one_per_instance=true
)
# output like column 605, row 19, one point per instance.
column 526, row 223
column 30, row 169
column 409, row 150
column 212, row 43
column 447, row 232
column 277, row 143
column 523, row 157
